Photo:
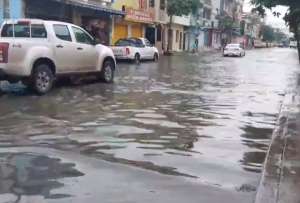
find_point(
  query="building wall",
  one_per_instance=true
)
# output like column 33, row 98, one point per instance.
column 15, row 9
column 177, row 41
column 132, row 25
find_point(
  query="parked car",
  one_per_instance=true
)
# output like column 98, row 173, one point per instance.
column 36, row 52
column 293, row 44
column 135, row 49
column 234, row 50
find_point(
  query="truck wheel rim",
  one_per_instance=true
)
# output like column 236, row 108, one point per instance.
column 107, row 73
column 43, row 81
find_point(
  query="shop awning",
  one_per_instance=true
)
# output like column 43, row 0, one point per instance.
column 92, row 5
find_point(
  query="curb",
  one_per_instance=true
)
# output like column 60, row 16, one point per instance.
column 268, row 190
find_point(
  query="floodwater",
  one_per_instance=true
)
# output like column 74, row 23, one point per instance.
column 190, row 128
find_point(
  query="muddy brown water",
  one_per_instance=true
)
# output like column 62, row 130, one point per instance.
column 199, row 122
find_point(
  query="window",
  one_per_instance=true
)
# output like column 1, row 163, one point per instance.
column 6, row 11
column 23, row 30
column 123, row 42
column 81, row 36
column 62, row 32
column 143, row 4
column 137, row 42
column 152, row 3
column 38, row 31
column 7, row 31
column 162, row 4
column 148, row 44
column 207, row 13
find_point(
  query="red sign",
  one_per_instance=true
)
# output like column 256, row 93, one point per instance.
column 139, row 15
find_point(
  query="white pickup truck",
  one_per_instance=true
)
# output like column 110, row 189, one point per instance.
column 135, row 49
column 36, row 52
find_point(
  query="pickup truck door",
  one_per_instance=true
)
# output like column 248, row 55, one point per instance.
column 149, row 49
column 64, row 49
column 142, row 49
column 86, row 55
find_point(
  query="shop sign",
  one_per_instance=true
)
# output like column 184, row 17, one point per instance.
column 139, row 15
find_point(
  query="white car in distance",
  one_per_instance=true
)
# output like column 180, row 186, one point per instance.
column 135, row 49
column 234, row 50
column 36, row 52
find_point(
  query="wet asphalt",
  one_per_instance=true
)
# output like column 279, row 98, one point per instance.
column 190, row 128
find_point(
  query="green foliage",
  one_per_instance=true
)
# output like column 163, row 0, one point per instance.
column 182, row 7
column 280, row 36
column 242, row 27
column 268, row 33
column 226, row 23
column 292, row 17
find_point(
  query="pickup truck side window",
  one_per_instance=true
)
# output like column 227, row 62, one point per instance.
column 21, row 30
column 7, row 31
column 38, row 31
column 62, row 32
column 81, row 36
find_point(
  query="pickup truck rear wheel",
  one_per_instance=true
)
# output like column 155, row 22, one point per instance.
column 107, row 72
column 137, row 58
column 155, row 59
column 42, row 79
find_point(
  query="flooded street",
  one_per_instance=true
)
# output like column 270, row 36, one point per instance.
column 189, row 128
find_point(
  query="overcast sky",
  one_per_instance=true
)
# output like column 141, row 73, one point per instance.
column 272, row 20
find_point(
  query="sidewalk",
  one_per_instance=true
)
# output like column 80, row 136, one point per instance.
column 281, row 177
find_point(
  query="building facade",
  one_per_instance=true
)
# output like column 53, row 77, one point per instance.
column 251, row 26
column 138, row 20
column 178, row 33
column 204, row 31
column 161, row 20
column 96, row 16
column 110, row 20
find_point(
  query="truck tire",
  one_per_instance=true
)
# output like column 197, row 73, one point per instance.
column 155, row 58
column 42, row 79
column 137, row 58
column 108, row 71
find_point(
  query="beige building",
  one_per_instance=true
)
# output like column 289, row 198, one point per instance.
column 178, row 33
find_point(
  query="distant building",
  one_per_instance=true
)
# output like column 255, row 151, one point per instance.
column 251, row 26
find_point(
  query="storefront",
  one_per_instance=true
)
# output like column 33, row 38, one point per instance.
column 95, row 18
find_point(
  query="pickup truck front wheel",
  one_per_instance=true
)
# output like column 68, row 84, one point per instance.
column 107, row 72
column 42, row 79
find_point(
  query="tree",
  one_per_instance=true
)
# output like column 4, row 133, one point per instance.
column 180, row 8
column 267, row 33
column 292, row 17
column 280, row 36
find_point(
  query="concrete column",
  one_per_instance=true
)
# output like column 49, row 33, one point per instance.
column 112, row 30
column 1, row 11
column 16, row 9
column 129, row 30
column 76, row 17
